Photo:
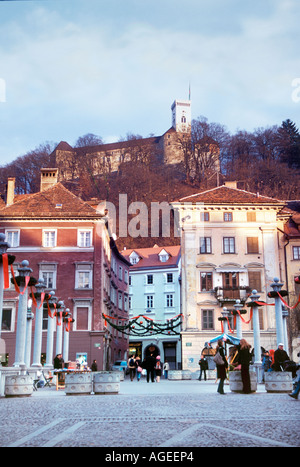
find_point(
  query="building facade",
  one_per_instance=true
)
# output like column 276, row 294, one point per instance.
column 67, row 244
column 230, row 247
column 154, row 292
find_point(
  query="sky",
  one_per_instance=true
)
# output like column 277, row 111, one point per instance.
column 72, row 67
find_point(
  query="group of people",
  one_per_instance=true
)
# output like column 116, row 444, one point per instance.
column 152, row 365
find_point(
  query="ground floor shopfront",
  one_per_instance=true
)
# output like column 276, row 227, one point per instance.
column 168, row 349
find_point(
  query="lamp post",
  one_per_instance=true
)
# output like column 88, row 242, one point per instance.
column 38, row 331
column 30, row 317
column 67, row 320
column 49, row 352
column 256, row 332
column 276, row 286
column 238, row 306
column 285, row 315
column 59, row 326
column 24, row 273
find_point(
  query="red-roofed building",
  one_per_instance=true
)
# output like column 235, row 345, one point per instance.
column 67, row 243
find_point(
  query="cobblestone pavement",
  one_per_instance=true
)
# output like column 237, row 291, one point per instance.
column 169, row 414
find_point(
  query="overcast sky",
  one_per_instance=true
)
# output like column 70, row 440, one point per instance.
column 71, row 67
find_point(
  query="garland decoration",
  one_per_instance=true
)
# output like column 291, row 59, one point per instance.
column 284, row 302
column 138, row 327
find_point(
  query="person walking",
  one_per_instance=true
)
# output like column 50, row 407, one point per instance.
column 221, row 367
column 139, row 368
column 203, row 367
column 244, row 359
column 166, row 369
column 149, row 364
column 132, row 367
column 158, row 369
column 94, row 366
column 296, row 391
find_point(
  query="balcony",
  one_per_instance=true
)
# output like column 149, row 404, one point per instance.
column 226, row 295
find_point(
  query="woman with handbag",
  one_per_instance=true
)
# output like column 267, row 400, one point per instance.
column 222, row 365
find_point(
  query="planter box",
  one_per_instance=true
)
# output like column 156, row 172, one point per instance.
column 186, row 374
column 107, row 382
column 78, row 383
column 278, row 381
column 236, row 384
column 175, row 375
column 18, row 386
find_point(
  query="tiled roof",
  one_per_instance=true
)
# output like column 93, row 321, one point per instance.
column 150, row 259
column 56, row 201
column 227, row 195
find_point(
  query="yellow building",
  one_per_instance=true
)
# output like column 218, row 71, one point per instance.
column 229, row 246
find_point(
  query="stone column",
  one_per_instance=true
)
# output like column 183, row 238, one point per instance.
column 24, row 271
column 38, row 332
column 256, row 332
column 238, row 306
column 66, row 335
column 59, row 326
column 49, row 352
column 30, row 317
column 285, row 315
column 276, row 286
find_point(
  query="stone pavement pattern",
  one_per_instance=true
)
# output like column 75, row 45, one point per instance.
column 168, row 414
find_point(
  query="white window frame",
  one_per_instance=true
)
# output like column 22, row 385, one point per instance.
column 85, row 268
column 45, row 234
column 49, row 269
column 170, row 300
column 15, row 243
column 150, row 301
column 82, row 236
column 82, row 304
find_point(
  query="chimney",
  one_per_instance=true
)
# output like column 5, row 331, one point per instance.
column 232, row 184
column 10, row 194
column 49, row 178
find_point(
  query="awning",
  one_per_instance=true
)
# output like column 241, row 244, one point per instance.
column 226, row 338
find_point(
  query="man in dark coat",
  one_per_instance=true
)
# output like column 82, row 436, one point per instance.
column 149, row 364
column 280, row 356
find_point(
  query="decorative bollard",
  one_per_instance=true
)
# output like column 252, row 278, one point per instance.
column 78, row 384
column 278, row 381
column 175, row 375
column 236, row 384
column 106, row 382
column 18, row 386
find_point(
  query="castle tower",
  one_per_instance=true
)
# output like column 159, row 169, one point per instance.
column 181, row 116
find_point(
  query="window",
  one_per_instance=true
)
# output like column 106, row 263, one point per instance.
column 49, row 238
column 149, row 279
column 204, row 216
column 82, row 314
column 207, row 320
column 120, row 301
column 252, row 245
column 48, row 272
column 170, row 300
column 228, row 245
column 251, row 216
column 120, row 273
column 7, row 319
column 227, row 216
column 125, row 276
column 206, row 281
column 254, row 280
column 170, row 278
column 296, row 252
column 205, row 245
column 84, row 238
column 13, row 238
column 149, row 301
column 84, row 276
column 125, row 302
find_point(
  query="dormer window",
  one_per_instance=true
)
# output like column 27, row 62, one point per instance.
column 163, row 256
column 134, row 258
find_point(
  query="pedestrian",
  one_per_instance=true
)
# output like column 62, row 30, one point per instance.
column 149, row 364
column 58, row 362
column 280, row 356
column 244, row 359
column 166, row 369
column 158, row 369
column 94, row 366
column 296, row 391
column 132, row 367
column 139, row 368
column 265, row 365
column 203, row 367
column 221, row 367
